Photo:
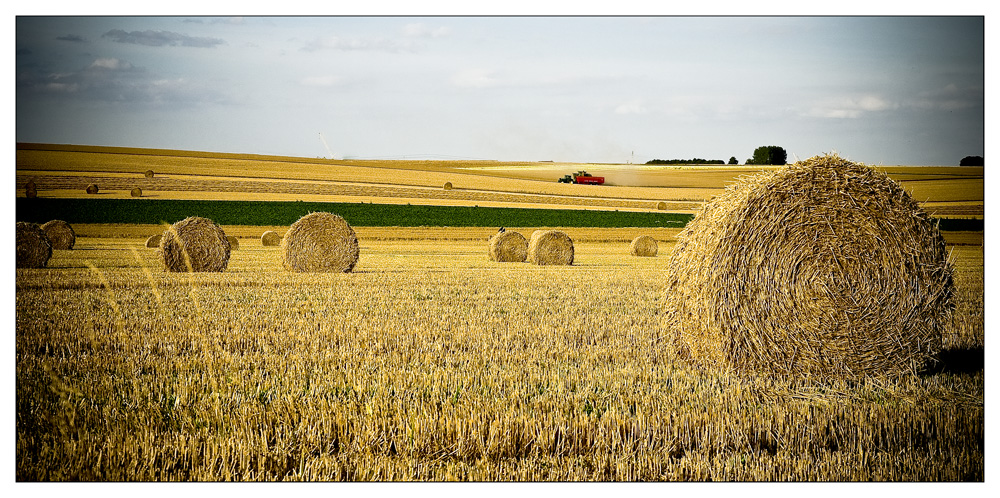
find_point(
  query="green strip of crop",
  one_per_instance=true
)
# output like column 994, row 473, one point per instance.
column 269, row 213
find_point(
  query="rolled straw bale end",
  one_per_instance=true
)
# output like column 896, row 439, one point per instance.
column 92, row 188
column 31, row 190
column 550, row 247
column 270, row 238
column 137, row 192
column 234, row 243
column 153, row 242
column 508, row 247
column 643, row 245
column 320, row 242
column 148, row 173
column 33, row 247
column 775, row 274
column 60, row 234
column 447, row 186
column 195, row 244
column 661, row 205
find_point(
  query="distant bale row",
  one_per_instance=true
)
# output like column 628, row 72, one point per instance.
column 550, row 247
column 825, row 268
column 33, row 246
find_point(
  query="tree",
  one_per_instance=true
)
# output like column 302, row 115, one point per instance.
column 971, row 161
column 769, row 154
column 732, row 160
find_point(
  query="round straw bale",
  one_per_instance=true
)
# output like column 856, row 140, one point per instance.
column 31, row 190
column 447, row 186
column 320, row 242
column 61, row 235
column 550, row 247
column 234, row 243
column 92, row 188
column 270, row 238
column 661, row 205
column 508, row 247
column 149, row 173
column 33, row 247
column 137, row 192
column 195, row 244
column 643, row 245
column 153, row 242
column 824, row 267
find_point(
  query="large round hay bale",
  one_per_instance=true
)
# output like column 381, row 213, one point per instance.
column 824, row 267
column 149, row 173
column 195, row 244
column 30, row 190
column 153, row 242
column 137, row 192
column 60, row 234
column 643, row 245
column 447, row 186
column 661, row 205
column 92, row 188
column 33, row 246
column 550, row 247
column 270, row 238
column 507, row 247
column 234, row 243
column 320, row 242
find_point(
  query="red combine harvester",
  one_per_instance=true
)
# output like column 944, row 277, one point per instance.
column 582, row 178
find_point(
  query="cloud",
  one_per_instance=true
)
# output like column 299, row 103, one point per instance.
column 161, row 38
column 111, row 63
column 421, row 30
column 374, row 44
column 631, row 107
column 475, row 78
column 850, row 107
column 949, row 98
column 321, row 81
column 71, row 38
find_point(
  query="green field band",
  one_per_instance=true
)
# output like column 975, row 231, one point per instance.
column 276, row 213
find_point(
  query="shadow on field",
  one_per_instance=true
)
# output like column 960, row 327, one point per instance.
column 960, row 361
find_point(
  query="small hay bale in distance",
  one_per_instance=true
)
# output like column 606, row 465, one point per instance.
column 148, row 173
column 33, row 247
column 550, row 247
column 320, row 242
column 137, row 192
column 92, row 188
column 270, row 238
column 234, row 243
column 195, row 244
column 508, row 247
column 643, row 245
column 153, row 242
column 30, row 190
column 824, row 268
column 61, row 235
column 447, row 186
column 661, row 205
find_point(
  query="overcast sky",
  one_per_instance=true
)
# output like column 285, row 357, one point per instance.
column 880, row 90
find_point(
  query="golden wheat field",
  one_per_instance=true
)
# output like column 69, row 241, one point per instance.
column 430, row 362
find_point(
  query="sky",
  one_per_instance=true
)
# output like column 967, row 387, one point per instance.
column 618, row 89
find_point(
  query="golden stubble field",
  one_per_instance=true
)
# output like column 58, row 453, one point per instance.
column 431, row 362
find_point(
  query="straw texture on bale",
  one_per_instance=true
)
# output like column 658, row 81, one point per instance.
column 508, row 247
column 153, row 242
column 234, row 243
column 270, row 238
column 823, row 268
column 447, row 186
column 643, row 245
column 33, row 246
column 92, row 188
column 31, row 190
column 61, row 235
column 320, row 242
column 137, row 192
column 550, row 247
column 149, row 173
column 195, row 244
